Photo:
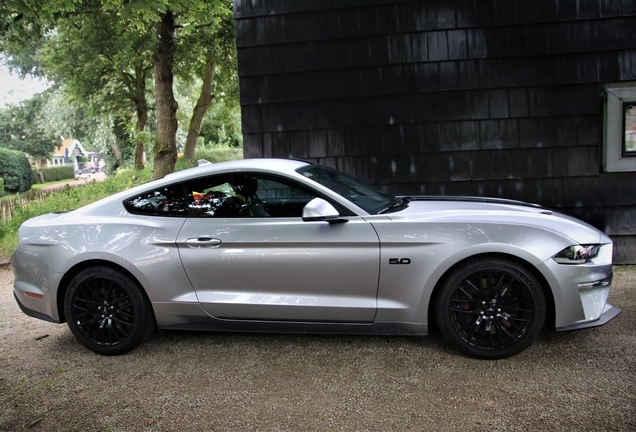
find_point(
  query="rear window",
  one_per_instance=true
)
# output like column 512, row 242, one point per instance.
column 165, row 201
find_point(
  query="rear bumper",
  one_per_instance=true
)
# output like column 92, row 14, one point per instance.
column 32, row 313
column 609, row 313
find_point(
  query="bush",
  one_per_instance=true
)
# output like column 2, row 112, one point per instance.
column 57, row 173
column 16, row 171
column 214, row 154
column 1, row 186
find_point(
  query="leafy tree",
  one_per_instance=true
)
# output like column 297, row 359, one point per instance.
column 24, row 24
column 174, row 22
column 222, row 122
column 209, row 54
column 22, row 128
column 60, row 116
column 102, row 65
column 101, row 132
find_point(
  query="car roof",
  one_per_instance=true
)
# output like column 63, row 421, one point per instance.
column 283, row 166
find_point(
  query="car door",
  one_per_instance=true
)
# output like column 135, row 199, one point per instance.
column 249, row 255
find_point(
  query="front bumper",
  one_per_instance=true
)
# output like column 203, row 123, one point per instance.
column 609, row 313
column 581, row 292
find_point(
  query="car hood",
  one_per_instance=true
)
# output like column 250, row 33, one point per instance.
column 498, row 211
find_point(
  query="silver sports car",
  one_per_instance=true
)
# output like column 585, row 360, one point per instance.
column 288, row 246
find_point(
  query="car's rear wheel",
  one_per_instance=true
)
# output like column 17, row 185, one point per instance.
column 107, row 311
column 491, row 308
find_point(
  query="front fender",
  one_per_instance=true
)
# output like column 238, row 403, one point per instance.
column 434, row 248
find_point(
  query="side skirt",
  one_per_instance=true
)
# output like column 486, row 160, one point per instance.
column 215, row 324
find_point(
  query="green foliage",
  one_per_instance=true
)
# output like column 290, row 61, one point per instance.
column 62, row 116
column 222, row 133
column 1, row 186
column 68, row 198
column 206, row 60
column 213, row 154
column 221, row 124
column 16, row 171
column 21, row 128
column 53, row 174
column 94, row 56
column 101, row 53
column 183, row 164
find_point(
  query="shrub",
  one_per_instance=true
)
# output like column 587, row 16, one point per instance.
column 1, row 186
column 57, row 173
column 16, row 171
column 214, row 154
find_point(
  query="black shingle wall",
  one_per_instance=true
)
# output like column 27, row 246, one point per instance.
column 499, row 98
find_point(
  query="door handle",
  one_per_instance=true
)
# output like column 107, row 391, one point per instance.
column 203, row 242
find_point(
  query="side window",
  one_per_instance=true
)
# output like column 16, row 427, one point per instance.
column 245, row 195
column 211, row 197
column 166, row 201
column 283, row 200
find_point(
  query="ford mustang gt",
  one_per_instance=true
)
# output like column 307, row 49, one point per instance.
column 289, row 246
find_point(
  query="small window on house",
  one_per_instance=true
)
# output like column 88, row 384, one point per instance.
column 620, row 130
column 629, row 117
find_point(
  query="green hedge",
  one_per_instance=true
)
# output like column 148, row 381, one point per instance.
column 16, row 171
column 1, row 186
column 57, row 173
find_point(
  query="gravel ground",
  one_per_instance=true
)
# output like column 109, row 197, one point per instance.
column 576, row 381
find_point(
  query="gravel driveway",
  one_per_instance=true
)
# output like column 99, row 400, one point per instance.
column 577, row 381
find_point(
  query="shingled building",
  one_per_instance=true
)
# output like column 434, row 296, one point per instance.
column 523, row 99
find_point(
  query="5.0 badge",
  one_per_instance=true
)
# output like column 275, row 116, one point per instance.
column 399, row 261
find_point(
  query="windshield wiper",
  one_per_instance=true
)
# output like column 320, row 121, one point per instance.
column 399, row 202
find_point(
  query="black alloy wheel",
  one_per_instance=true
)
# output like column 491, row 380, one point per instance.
column 106, row 311
column 491, row 308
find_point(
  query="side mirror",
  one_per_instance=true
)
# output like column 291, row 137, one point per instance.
column 320, row 210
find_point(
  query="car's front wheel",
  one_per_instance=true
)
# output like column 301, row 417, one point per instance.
column 491, row 308
column 106, row 311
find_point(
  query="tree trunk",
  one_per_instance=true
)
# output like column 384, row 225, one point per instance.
column 119, row 136
column 199, row 111
column 142, row 114
column 142, row 118
column 117, row 152
column 166, row 147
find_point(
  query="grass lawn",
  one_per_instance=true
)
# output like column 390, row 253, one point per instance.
column 34, row 187
column 41, row 185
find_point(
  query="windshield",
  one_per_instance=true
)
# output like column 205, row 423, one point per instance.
column 364, row 196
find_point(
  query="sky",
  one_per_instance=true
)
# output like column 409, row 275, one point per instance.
column 13, row 89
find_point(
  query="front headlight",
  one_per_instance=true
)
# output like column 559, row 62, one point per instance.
column 579, row 254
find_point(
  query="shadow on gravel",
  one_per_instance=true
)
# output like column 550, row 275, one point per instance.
column 203, row 381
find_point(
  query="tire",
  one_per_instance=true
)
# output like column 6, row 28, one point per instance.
column 491, row 308
column 107, row 312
